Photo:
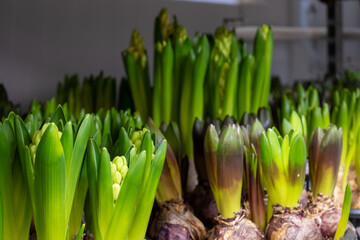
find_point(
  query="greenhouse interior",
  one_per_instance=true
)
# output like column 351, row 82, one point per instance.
column 180, row 120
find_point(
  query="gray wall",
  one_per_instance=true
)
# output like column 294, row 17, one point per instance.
column 41, row 41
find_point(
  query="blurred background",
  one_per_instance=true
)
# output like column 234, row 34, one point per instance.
column 41, row 41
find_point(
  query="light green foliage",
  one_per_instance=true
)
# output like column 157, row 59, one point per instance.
column 283, row 165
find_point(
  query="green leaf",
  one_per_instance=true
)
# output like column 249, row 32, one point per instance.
column 105, row 192
column 286, row 126
column 124, row 142
column 296, row 122
column 142, row 215
column 124, row 211
column 199, row 72
column 296, row 171
column 79, row 203
column 344, row 214
column 146, row 145
column 167, row 62
column 77, row 157
column 229, row 171
column 10, row 137
column 134, row 80
column 172, row 135
column 275, row 149
column 266, row 158
column 211, row 148
column 50, row 220
column 230, row 89
column 93, row 162
column 156, row 101
column 6, row 185
column 244, row 88
column 67, row 143
column 107, row 124
column 316, row 120
column 326, row 115
column 1, row 218
column 81, row 231
column 21, row 202
column 285, row 107
column 255, row 190
column 107, row 141
column 58, row 117
column 186, row 98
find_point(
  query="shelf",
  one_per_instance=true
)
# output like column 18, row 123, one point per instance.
column 296, row 33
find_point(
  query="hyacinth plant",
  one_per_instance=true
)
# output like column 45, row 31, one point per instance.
column 163, row 68
column 182, row 46
column 300, row 100
column 170, row 184
column 70, row 92
column 122, row 191
column 107, row 125
column 263, row 48
column 173, row 217
column 137, row 70
column 95, row 92
column 255, row 73
column 192, row 97
column 295, row 122
column 52, row 160
column 172, row 48
column 253, row 172
column 306, row 105
column 283, row 165
column 346, row 114
column 263, row 115
column 163, row 81
column 222, row 73
column 324, row 159
column 108, row 131
column 317, row 117
column 224, row 158
column 156, row 150
column 224, row 164
column 15, row 204
column 199, row 132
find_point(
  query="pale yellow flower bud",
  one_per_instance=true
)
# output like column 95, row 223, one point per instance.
column 116, row 191
column 124, row 171
column 117, row 177
column 113, row 168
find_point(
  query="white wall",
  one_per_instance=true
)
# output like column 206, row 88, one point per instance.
column 41, row 41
